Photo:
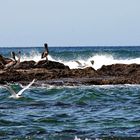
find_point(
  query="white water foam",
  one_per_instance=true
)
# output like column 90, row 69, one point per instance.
column 99, row 60
column 34, row 55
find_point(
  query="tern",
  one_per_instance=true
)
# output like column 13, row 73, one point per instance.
column 83, row 65
column 18, row 95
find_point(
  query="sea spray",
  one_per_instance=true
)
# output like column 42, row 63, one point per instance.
column 34, row 55
column 99, row 60
column 47, row 112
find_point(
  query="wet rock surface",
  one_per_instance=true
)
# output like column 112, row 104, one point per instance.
column 55, row 73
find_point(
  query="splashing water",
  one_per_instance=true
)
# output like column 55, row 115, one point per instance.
column 34, row 55
column 99, row 60
column 60, row 113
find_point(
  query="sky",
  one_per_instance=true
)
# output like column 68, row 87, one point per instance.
column 25, row 23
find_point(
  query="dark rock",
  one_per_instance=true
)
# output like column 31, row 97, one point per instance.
column 25, row 65
column 56, row 73
column 87, row 72
column 119, row 69
column 11, row 76
column 50, row 65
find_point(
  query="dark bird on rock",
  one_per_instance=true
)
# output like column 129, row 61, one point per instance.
column 46, row 52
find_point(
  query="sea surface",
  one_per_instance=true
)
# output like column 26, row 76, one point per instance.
column 104, row 112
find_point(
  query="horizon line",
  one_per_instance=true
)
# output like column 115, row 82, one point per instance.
column 72, row 46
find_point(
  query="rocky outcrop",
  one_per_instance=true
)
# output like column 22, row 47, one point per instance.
column 56, row 73
column 122, row 73
column 50, row 65
column 40, row 64
column 24, row 65
column 120, row 70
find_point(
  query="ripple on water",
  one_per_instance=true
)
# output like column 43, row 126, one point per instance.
column 63, row 112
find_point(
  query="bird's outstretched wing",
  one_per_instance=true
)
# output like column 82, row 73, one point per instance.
column 10, row 90
column 21, row 91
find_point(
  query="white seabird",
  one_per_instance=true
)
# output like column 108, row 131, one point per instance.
column 83, row 65
column 17, row 95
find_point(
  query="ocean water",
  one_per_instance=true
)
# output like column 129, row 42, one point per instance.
column 68, row 55
column 63, row 112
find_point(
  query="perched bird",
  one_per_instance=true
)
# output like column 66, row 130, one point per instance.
column 2, row 60
column 13, row 56
column 92, row 62
column 5, row 60
column 18, row 59
column 12, row 61
column 46, row 52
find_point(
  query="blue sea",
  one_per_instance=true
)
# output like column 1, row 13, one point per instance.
column 106, row 112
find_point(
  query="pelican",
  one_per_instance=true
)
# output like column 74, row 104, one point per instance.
column 2, row 60
column 5, row 60
column 18, row 59
column 46, row 52
column 12, row 61
column 18, row 95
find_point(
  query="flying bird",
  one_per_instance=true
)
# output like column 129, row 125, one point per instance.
column 18, row 95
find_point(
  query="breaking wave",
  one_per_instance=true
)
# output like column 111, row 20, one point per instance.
column 99, row 60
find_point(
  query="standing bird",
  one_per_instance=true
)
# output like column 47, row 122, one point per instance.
column 19, row 57
column 5, row 60
column 92, row 62
column 44, row 55
column 46, row 52
column 2, row 60
column 18, row 60
column 12, row 62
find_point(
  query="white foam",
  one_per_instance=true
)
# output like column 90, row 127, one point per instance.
column 34, row 55
column 99, row 60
